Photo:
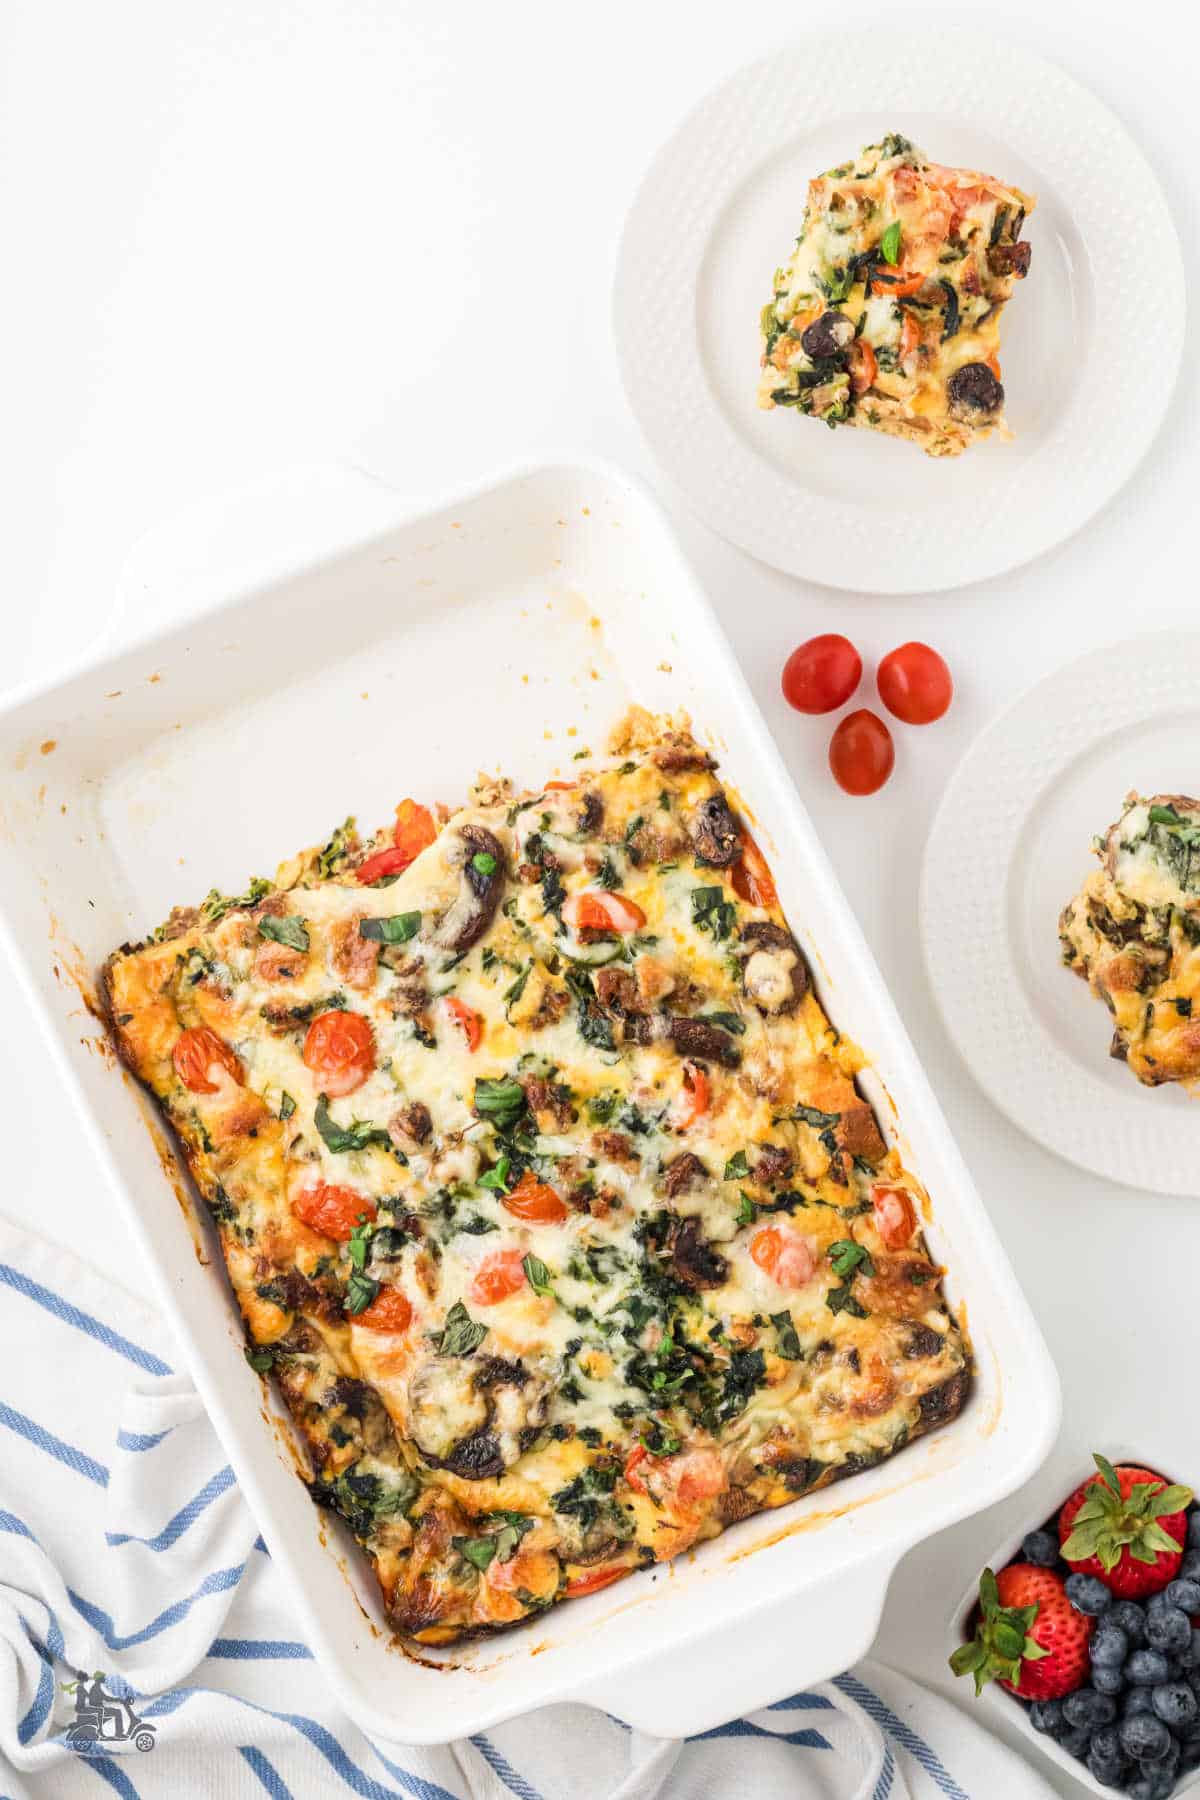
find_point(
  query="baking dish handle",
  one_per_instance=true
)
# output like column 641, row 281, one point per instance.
column 780, row 1650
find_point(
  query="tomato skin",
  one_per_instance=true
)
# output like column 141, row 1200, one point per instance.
column 784, row 1255
column 535, row 1202
column 694, row 1097
column 638, row 1455
column 821, row 673
column 901, row 286
column 390, row 1310
column 195, row 1053
column 497, row 1278
column 910, row 337
column 591, row 1584
column 340, row 1050
column 591, row 911
column 331, row 1210
column 895, row 1216
column 861, row 753
column 414, row 829
column 699, row 1475
column 751, row 875
column 915, row 683
column 384, row 862
column 467, row 1020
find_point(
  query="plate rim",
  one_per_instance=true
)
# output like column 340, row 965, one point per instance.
column 910, row 568
column 1109, row 1158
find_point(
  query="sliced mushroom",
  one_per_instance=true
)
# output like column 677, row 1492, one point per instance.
column 481, row 858
column 973, row 390
column 699, row 1038
column 714, row 833
column 446, row 1409
column 1010, row 259
column 774, row 974
column 827, row 336
column 694, row 1262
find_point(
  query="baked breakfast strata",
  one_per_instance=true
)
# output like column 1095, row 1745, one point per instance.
column 543, row 1183
column 887, row 313
column 1133, row 933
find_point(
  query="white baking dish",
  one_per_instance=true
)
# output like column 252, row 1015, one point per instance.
column 1044, row 1501
column 396, row 654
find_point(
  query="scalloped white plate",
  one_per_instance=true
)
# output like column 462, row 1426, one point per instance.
column 1008, row 849
column 719, row 211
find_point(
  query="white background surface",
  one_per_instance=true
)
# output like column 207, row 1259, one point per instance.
column 243, row 234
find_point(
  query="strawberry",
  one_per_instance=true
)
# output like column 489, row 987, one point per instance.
column 1127, row 1527
column 1030, row 1638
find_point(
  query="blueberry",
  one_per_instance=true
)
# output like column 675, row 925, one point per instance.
column 1184, row 1593
column 1087, row 1594
column 1146, row 1668
column 1089, row 1709
column 1106, row 1759
column 1041, row 1549
column 1137, row 1700
column 1131, row 1618
column 1191, row 1756
column 1175, row 1703
column 1151, row 1784
column 1193, row 1529
column 1109, row 1645
column 1074, row 1739
column 1190, row 1658
column 1144, row 1736
column 1189, row 1568
column 1169, row 1630
column 1157, row 1603
column 1046, row 1715
column 1108, row 1680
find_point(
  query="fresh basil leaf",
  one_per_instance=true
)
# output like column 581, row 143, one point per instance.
column 847, row 1257
column 260, row 1358
column 809, row 1115
column 360, row 1291
column 889, row 243
column 290, row 930
column 840, row 1299
column 747, row 1212
column 287, row 1106
column 396, row 929
column 358, row 1135
column 461, row 1335
column 737, row 1168
column 479, row 1552
column 501, row 1101
column 360, row 1244
column 496, row 1177
column 787, row 1341
column 728, row 1021
column 537, row 1275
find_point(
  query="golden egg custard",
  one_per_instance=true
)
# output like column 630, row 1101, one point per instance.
column 543, row 1183
column 887, row 313
column 1133, row 933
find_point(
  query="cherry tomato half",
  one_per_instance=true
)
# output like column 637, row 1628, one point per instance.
column 390, row 1310
column 915, row 684
column 534, row 1201
column 861, row 753
column 591, row 911
column 821, row 673
column 468, row 1021
column 197, row 1052
column 895, row 1216
column 751, row 876
column 339, row 1048
column 498, row 1276
column 331, row 1210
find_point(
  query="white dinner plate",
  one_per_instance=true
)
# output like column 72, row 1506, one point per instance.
column 1009, row 847
column 720, row 210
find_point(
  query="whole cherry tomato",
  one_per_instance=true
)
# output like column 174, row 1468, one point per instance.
column 915, row 684
column 861, row 753
column 821, row 673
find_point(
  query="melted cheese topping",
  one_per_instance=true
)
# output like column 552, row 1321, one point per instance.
column 912, row 263
column 600, row 1249
column 1133, row 933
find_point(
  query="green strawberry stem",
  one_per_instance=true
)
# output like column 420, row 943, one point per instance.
column 1001, row 1642
column 1109, row 1522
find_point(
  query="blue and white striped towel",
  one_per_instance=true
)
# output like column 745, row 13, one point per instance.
column 125, row 1548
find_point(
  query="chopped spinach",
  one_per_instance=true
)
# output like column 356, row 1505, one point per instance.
column 358, row 1135
column 398, row 928
column 712, row 912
